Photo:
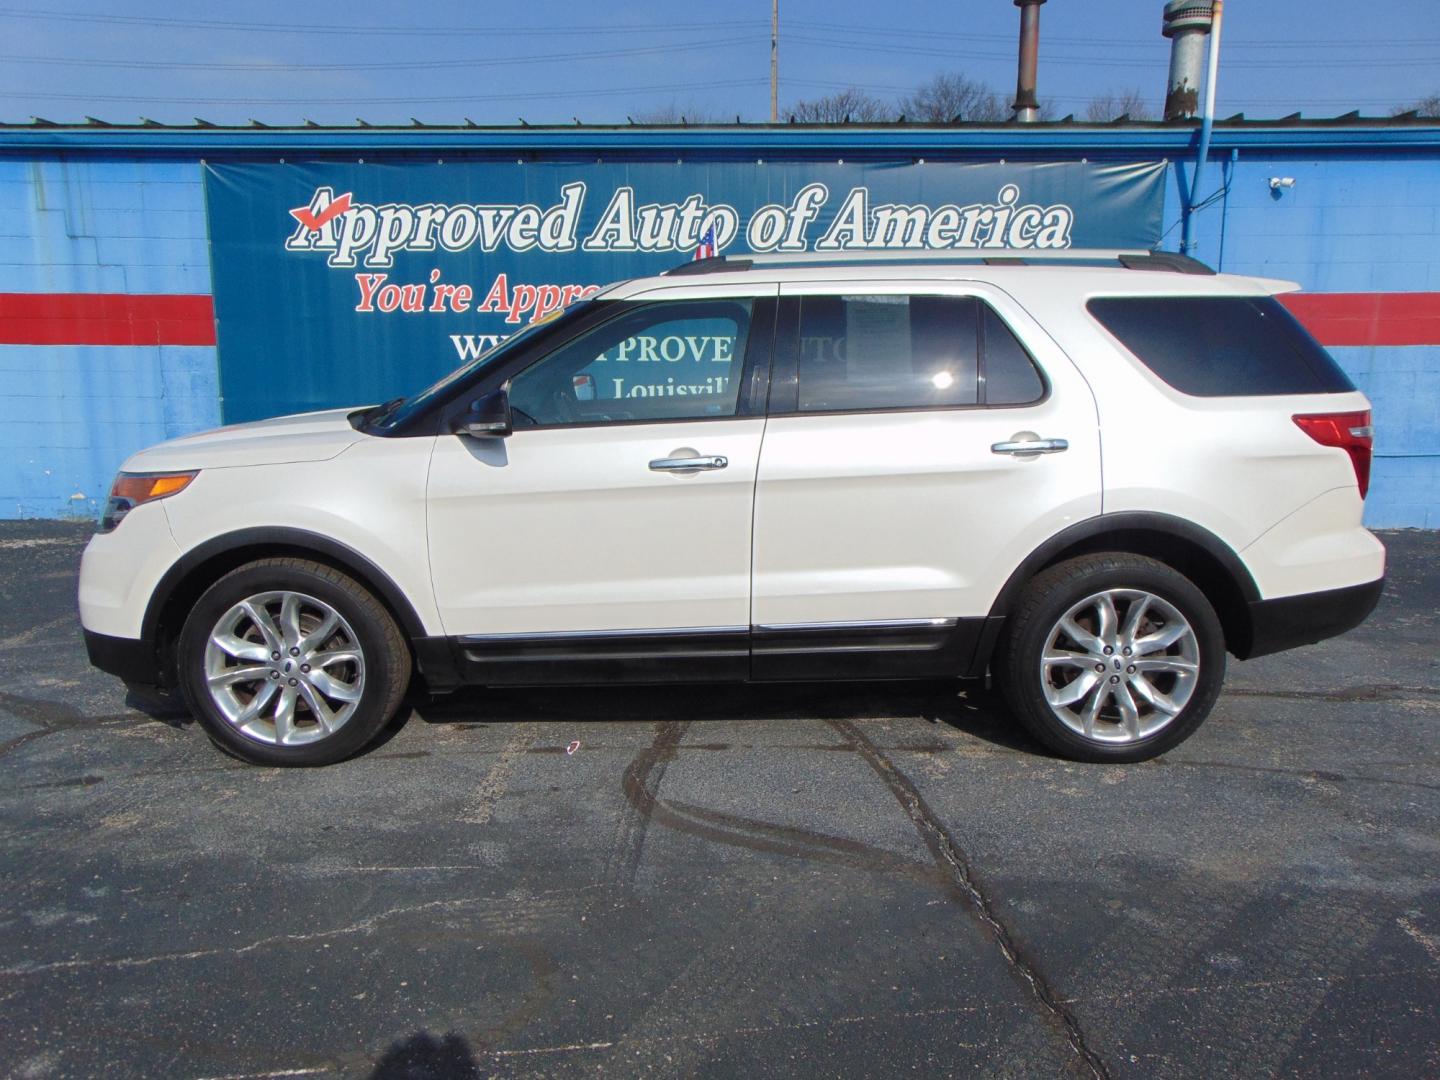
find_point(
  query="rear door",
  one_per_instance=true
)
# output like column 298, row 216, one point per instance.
column 915, row 453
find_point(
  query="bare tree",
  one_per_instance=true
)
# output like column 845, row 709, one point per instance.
column 853, row 104
column 675, row 113
column 945, row 97
column 1428, row 106
column 1117, row 103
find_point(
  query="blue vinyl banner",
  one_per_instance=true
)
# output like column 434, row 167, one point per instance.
column 350, row 283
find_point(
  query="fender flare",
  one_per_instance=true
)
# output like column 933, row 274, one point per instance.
column 278, row 538
column 1142, row 522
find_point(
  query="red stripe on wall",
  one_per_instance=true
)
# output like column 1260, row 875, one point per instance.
column 1368, row 318
column 106, row 319
column 1411, row 318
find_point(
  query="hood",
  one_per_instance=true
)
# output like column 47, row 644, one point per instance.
column 314, row 436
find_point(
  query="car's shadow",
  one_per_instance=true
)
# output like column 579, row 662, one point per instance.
column 965, row 706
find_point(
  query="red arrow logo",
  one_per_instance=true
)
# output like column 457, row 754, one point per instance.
column 313, row 222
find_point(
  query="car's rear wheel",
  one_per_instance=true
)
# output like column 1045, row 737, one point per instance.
column 291, row 662
column 1112, row 657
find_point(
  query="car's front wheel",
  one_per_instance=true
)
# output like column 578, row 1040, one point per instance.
column 1111, row 657
column 290, row 662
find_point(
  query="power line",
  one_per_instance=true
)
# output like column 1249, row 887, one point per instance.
column 388, row 65
column 872, row 88
column 911, row 34
column 920, row 33
column 1089, row 61
column 362, row 31
column 22, row 95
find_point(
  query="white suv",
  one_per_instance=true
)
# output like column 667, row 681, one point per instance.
column 1091, row 474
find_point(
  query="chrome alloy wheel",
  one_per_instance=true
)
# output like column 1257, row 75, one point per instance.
column 284, row 668
column 1119, row 666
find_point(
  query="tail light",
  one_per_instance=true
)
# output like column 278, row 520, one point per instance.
column 1351, row 432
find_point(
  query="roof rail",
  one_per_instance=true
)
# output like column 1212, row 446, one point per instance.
column 715, row 264
column 1165, row 260
column 1131, row 259
column 948, row 255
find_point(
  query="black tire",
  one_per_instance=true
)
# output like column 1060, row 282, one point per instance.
column 1049, row 597
column 386, row 657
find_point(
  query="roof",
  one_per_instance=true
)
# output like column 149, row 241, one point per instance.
column 1294, row 132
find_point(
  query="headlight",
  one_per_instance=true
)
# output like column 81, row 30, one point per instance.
column 132, row 489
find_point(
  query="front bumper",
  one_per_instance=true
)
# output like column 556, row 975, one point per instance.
column 1292, row 621
column 121, row 569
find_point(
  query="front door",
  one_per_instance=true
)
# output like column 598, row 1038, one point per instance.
column 609, row 535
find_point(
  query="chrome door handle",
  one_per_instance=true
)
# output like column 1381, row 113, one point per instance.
column 689, row 464
column 1030, row 446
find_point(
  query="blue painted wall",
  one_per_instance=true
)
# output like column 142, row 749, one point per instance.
column 1351, row 224
column 128, row 220
column 70, row 414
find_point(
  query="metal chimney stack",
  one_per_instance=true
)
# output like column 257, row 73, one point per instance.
column 1027, row 106
column 1187, row 25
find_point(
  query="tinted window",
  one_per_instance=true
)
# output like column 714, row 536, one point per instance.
column 676, row 360
column 1010, row 375
column 1222, row 346
column 416, row 404
column 886, row 352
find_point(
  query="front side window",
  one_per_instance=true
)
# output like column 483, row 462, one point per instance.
column 861, row 353
column 672, row 360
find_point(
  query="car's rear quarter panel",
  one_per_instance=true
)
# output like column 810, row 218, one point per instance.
column 1238, row 467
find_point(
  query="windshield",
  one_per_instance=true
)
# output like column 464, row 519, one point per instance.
column 397, row 412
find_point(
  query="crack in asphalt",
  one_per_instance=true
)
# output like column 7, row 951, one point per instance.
column 951, row 867
column 1319, row 775
column 366, row 925
column 641, row 785
column 1374, row 692
column 948, row 853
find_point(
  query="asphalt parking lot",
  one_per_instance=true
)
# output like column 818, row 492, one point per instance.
column 806, row 880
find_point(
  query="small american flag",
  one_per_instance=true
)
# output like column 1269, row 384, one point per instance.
column 706, row 248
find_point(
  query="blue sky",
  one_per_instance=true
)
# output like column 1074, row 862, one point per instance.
column 279, row 62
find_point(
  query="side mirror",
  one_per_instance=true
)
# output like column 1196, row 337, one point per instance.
column 487, row 417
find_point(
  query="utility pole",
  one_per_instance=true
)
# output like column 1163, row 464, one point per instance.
column 774, row 61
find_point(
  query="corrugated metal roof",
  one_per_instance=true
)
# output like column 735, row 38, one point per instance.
column 90, row 123
column 1351, row 130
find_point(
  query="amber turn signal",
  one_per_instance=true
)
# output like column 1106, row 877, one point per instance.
column 143, row 487
column 132, row 489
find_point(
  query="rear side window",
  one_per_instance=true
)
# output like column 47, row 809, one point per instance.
column 1222, row 346
column 886, row 352
column 1010, row 377
column 861, row 353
